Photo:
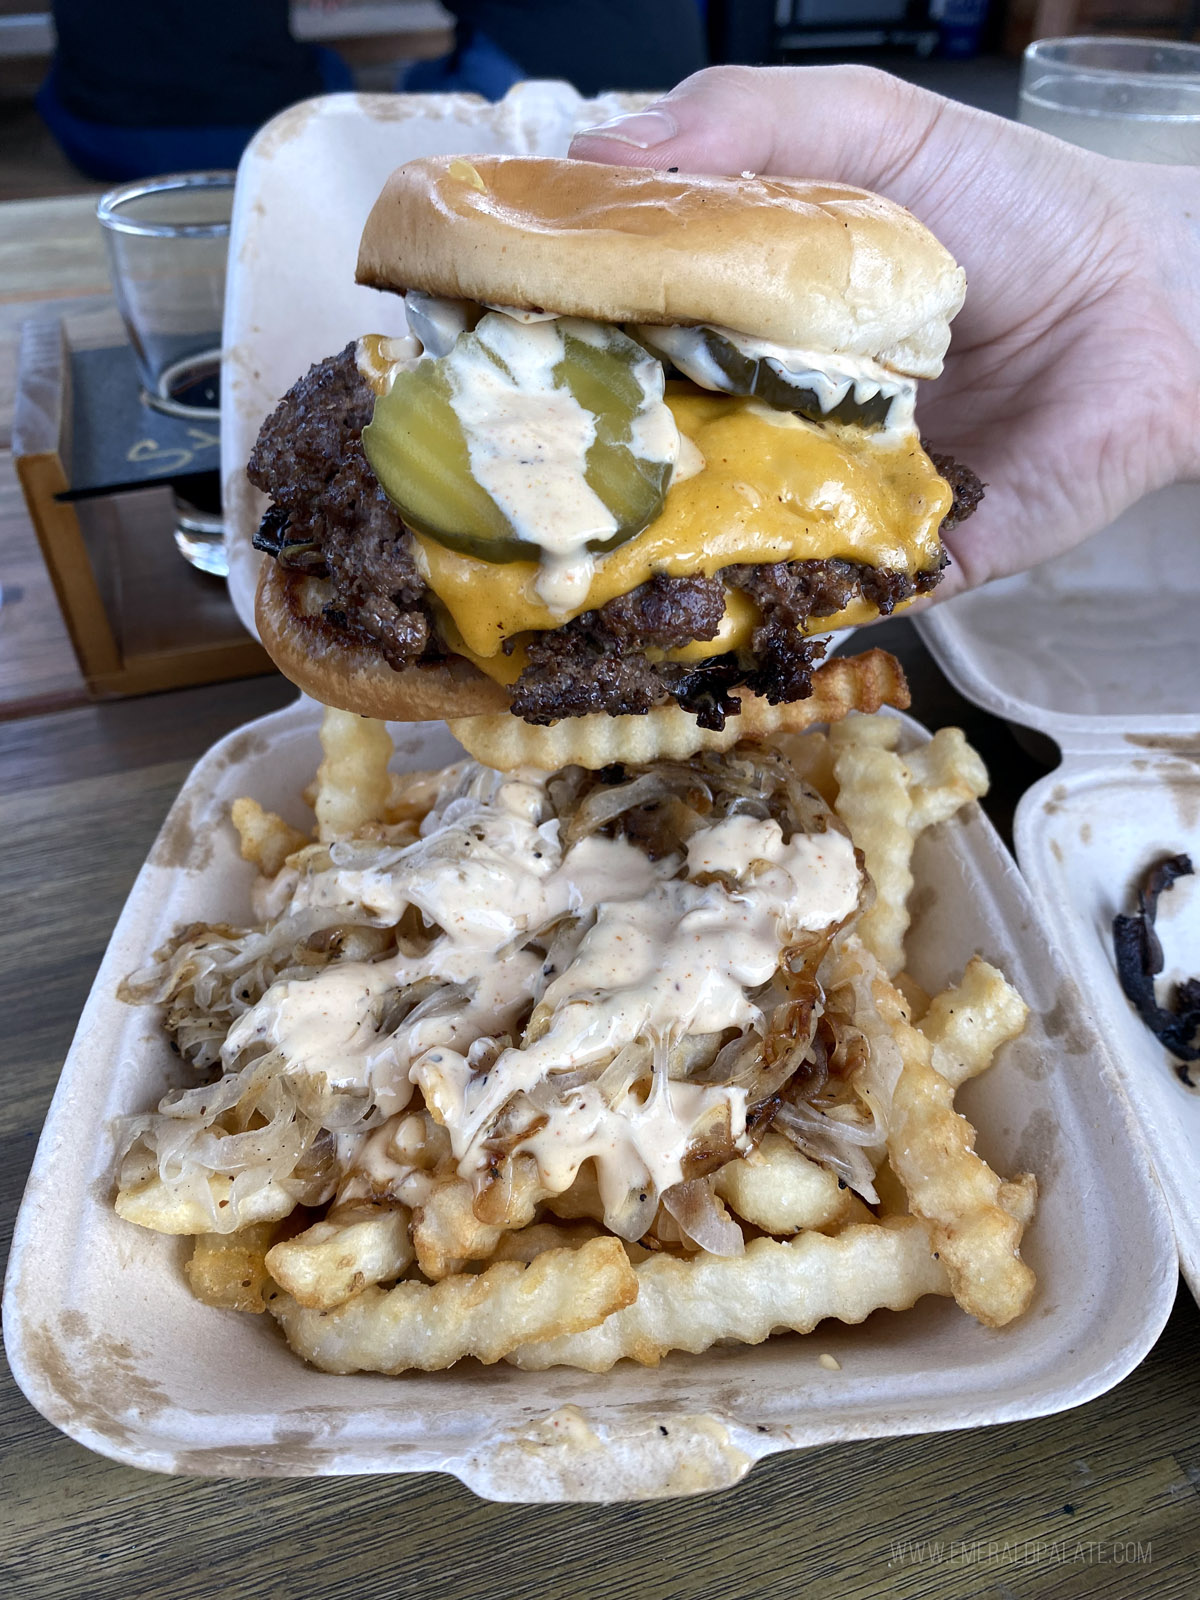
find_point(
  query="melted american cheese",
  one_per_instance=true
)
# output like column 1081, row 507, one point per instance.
column 774, row 487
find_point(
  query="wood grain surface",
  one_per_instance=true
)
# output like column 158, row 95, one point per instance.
column 53, row 268
column 52, row 264
column 1102, row 1503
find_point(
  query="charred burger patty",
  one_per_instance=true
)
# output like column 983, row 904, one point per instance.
column 331, row 520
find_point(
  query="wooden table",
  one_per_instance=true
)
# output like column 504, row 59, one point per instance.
column 1101, row 1503
column 52, row 264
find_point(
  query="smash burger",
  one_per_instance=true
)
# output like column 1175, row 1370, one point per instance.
column 647, row 434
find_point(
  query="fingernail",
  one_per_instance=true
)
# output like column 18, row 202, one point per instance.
column 642, row 129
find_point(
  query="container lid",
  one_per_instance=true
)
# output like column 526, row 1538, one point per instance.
column 1100, row 649
column 1085, row 836
column 1098, row 643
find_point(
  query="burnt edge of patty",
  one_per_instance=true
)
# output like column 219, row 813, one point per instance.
column 331, row 518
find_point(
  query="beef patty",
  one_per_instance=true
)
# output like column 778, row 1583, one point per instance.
column 331, row 518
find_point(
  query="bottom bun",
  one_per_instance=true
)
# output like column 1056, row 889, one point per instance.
column 342, row 672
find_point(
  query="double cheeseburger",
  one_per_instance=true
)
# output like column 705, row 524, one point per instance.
column 646, row 436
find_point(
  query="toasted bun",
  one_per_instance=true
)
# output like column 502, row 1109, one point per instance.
column 339, row 672
column 821, row 266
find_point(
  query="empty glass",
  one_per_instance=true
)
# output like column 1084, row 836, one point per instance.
column 1136, row 99
column 168, row 245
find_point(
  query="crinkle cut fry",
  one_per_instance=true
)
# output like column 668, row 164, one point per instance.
column 968, row 1023
column 887, row 800
column 155, row 1204
column 263, row 836
column 334, row 1259
column 845, row 684
column 874, row 803
column 690, row 1304
column 446, row 1231
column 977, row 1219
column 781, row 1190
column 431, row 1326
column 353, row 785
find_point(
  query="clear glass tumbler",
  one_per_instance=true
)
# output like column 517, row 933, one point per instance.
column 1136, row 99
column 168, row 246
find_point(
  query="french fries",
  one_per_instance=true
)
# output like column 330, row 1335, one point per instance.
column 967, row 1024
column 668, row 733
column 265, row 838
column 353, row 786
column 874, row 803
column 976, row 1219
column 229, row 1270
column 430, row 1327
column 415, row 1265
column 200, row 1208
column 782, row 1191
column 354, row 1247
column 691, row 1304
column 887, row 800
column 446, row 1232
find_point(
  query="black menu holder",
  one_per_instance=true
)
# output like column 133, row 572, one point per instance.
column 99, row 471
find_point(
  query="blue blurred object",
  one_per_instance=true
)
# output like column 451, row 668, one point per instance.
column 960, row 26
column 113, row 153
column 477, row 65
column 593, row 44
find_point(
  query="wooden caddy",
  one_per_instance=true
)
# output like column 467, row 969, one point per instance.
column 139, row 617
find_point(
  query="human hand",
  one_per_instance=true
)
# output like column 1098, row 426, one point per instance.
column 1072, row 386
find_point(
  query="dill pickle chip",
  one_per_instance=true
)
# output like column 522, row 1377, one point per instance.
column 510, row 378
column 610, row 379
column 418, row 451
column 767, row 380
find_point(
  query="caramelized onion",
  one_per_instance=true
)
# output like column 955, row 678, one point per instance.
column 703, row 1219
column 840, row 1146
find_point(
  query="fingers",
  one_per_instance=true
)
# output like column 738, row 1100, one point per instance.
column 848, row 124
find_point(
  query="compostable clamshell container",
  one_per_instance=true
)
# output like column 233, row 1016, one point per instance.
column 106, row 1340
column 1100, row 651
column 102, row 1331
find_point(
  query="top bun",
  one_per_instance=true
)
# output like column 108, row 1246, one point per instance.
column 821, row 266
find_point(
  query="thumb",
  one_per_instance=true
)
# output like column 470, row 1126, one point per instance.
column 845, row 124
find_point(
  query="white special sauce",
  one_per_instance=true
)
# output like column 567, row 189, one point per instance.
column 528, row 439
column 527, row 436
column 830, row 377
column 653, row 957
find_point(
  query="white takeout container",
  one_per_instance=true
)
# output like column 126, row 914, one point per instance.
column 104, row 1336
column 1100, row 650
column 106, row 1340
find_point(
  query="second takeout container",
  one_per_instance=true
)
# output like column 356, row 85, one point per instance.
column 1100, row 651
column 102, row 1332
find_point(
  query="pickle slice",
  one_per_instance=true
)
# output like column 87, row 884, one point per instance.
column 418, row 451
column 618, row 383
column 767, row 380
column 715, row 362
column 418, row 447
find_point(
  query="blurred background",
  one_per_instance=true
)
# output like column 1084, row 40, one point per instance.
column 93, row 91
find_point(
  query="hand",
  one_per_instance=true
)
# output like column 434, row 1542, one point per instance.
column 1072, row 386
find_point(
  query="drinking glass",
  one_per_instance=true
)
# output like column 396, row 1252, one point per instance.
column 168, row 245
column 1136, row 99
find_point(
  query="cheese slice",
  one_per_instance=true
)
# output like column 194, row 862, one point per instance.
column 774, row 487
